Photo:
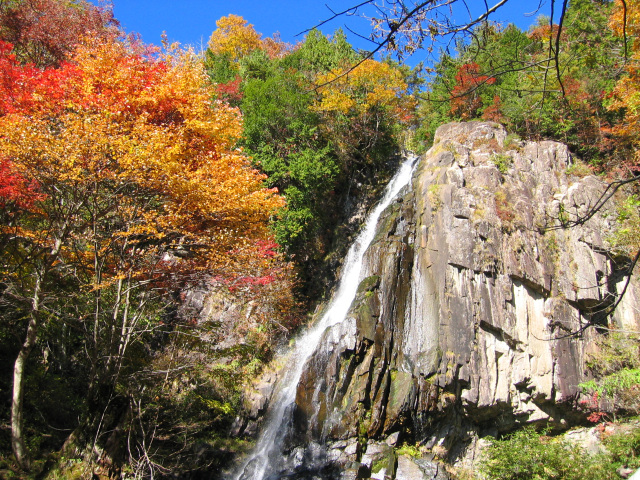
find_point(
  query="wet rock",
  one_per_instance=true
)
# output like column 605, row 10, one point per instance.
column 258, row 400
column 380, row 460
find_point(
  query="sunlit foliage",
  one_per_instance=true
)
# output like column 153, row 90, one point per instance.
column 44, row 32
column 134, row 184
column 626, row 95
column 234, row 37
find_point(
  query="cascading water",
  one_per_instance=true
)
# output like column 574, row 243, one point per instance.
column 258, row 466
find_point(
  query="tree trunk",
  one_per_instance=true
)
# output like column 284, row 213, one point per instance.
column 17, row 399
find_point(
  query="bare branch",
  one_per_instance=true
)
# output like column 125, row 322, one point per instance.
column 606, row 195
column 557, row 49
column 396, row 25
column 347, row 12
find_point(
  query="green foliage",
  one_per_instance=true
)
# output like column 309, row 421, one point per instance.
column 220, row 67
column 313, row 169
column 579, row 169
column 502, row 162
column 616, row 351
column 409, row 450
column 616, row 370
column 624, row 447
column 435, row 111
column 528, row 455
column 433, row 194
column 275, row 110
column 512, row 141
column 319, row 53
column 256, row 65
column 626, row 238
column 611, row 385
column 306, row 177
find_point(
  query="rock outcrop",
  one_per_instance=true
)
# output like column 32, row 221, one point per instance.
column 470, row 317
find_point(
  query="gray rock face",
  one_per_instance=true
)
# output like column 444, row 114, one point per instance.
column 417, row 469
column 462, row 322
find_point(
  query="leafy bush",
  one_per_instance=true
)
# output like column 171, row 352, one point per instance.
column 616, row 370
column 503, row 162
column 528, row 455
column 626, row 238
column 624, row 448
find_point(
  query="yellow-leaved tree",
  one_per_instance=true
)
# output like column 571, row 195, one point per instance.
column 365, row 102
column 135, row 185
column 625, row 22
column 234, row 37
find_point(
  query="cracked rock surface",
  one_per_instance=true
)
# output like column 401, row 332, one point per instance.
column 461, row 325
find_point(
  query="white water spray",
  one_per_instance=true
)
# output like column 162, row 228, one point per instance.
column 270, row 441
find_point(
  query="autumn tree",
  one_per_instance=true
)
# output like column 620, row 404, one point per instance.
column 367, row 101
column 465, row 96
column 625, row 21
column 139, row 186
column 44, row 32
column 234, row 37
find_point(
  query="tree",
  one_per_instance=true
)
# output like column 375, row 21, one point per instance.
column 234, row 37
column 465, row 96
column 364, row 102
column 139, row 187
column 625, row 21
column 44, row 32
column 281, row 134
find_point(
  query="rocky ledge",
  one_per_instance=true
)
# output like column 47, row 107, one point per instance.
column 471, row 313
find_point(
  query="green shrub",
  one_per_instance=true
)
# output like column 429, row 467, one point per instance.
column 579, row 169
column 409, row 450
column 624, row 448
column 616, row 371
column 528, row 455
column 626, row 237
column 512, row 142
column 502, row 162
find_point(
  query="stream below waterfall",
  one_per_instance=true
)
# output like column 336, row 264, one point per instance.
column 263, row 463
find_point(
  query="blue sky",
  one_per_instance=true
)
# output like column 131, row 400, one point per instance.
column 191, row 22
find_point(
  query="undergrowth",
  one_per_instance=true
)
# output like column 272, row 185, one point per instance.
column 615, row 367
column 529, row 455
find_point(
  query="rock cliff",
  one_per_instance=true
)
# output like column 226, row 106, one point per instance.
column 470, row 316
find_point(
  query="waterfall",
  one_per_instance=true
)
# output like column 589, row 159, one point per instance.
column 268, row 447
